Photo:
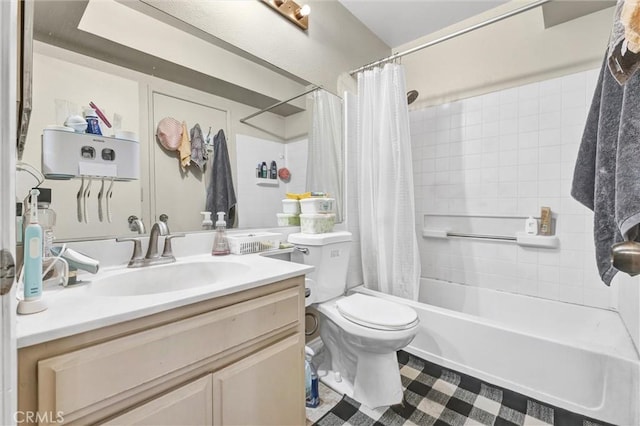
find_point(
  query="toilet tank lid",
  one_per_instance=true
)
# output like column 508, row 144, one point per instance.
column 319, row 239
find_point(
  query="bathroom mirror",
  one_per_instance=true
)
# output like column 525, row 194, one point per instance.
column 75, row 62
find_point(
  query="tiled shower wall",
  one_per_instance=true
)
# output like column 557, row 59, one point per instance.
column 507, row 154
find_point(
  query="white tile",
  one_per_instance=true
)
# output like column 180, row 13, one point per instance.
column 490, row 159
column 490, row 129
column 528, row 124
column 573, row 99
column 490, row 114
column 528, row 156
column 472, row 132
column 442, row 137
column 490, row 144
column 528, row 172
column 508, row 158
column 550, row 103
column 508, row 142
column 527, row 205
column 549, row 171
column 528, row 140
column 472, row 118
column 548, row 290
column 548, row 188
column 490, row 100
column 508, row 173
column 574, row 116
column 527, row 189
column 528, row 107
column 507, row 206
column 550, row 120
column 550, row 137
column 508, row 189
column 571, row 134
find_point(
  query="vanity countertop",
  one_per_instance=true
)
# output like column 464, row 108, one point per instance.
column 76, row 309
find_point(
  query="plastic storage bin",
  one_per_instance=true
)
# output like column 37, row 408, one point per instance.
column 317, row 205
column 254, row 242
column 291, row 206
column 317, row 223
column 287, row 219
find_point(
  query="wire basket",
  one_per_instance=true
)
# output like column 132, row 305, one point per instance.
column 254, row 242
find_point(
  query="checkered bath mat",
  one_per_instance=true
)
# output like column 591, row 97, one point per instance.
column 437, row 396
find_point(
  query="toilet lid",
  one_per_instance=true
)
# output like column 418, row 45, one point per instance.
column 375, row 312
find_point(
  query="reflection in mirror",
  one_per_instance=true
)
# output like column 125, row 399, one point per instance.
column 66, row 80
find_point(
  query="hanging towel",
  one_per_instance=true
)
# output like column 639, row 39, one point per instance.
column 185, row 147
column 221, row 197
column 624, row 42
column 606, row 177
column 198, row 151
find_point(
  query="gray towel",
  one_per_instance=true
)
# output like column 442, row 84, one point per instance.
column 606, row 178
column 198, row 150
column 623, row 63
column 221, row 197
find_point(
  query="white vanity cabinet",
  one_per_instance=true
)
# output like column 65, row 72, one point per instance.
column 236, row 359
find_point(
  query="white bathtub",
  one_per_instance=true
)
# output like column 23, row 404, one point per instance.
column 574, row 357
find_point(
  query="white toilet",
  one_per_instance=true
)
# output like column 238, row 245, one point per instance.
column 361, row 333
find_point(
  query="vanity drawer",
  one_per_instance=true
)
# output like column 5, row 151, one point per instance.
column 92, row 378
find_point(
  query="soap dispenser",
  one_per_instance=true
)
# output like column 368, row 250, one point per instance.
column 220, row 243
column 207, row 223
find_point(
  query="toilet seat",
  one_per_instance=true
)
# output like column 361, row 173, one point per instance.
column 376, row 313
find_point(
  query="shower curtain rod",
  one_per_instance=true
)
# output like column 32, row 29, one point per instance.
column 452, row 35
column 262, row 111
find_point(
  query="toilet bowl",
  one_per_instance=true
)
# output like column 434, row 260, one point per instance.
column 360, row 333
column 362, row 353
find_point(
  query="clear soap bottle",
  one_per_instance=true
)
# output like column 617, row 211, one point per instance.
column 220, row 242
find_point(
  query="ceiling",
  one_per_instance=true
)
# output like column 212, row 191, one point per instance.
column 397, row 22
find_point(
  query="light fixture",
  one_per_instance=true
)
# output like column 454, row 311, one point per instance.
column 292, row 11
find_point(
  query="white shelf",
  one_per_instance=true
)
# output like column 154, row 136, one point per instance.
column 520, row 238
column 540, row 241
column 267, row 182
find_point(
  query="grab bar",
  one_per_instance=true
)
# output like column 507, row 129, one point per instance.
column 481, row 236
column 522, row 239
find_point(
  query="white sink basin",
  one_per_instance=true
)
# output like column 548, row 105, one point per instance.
column 166, row 278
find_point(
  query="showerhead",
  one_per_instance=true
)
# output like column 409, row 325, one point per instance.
column 412, row 95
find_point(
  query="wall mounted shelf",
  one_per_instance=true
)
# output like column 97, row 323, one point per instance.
column 267, row 182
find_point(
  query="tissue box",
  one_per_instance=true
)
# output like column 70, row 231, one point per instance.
column 317, row 223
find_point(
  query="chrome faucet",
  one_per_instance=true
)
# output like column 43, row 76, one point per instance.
column 152, row 257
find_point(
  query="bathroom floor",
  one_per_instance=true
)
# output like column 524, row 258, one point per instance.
column 438, row 396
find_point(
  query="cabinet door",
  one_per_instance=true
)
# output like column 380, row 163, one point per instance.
column 266, row 388
column 190, row 404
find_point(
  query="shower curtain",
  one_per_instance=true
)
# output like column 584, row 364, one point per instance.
column 325, row 156
column 390, row 257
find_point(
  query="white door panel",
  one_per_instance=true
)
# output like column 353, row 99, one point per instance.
column 8, row 84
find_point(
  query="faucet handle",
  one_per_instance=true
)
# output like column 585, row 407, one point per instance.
column 167, row 252
column 136, row 258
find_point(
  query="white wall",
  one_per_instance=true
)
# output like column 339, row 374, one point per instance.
column 509, row 53
column 258, row 204
column 509, row 153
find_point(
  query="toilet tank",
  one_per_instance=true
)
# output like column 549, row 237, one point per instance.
column 329, row 253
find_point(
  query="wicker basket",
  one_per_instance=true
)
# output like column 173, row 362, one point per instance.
column 254, row 242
